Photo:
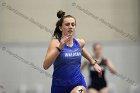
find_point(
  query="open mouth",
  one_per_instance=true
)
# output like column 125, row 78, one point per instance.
column 70, row 31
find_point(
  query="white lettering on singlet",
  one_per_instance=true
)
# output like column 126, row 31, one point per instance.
column 72, row 54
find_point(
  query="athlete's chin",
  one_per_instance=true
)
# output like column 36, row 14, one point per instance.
column 70, row 34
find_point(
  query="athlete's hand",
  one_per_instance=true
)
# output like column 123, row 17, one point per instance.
column 98, row 69
column 64, row 40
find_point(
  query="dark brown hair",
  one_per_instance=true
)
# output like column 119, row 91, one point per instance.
column 61, row 15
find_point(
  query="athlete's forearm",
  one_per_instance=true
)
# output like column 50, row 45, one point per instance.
column 51, row 56
column 110, row 66
column 88, row 56
column 54, row 50
column 91, row 60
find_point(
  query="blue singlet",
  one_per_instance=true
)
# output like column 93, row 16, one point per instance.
column 67, row 73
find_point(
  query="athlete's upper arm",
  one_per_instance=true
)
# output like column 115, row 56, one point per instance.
column 110, row 65
column 53, row 43
column 51, row 54
column 107, row 61
column 81, row 42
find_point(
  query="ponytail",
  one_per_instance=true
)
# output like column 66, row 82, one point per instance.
column 57, row 32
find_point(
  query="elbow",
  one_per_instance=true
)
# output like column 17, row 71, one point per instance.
column 114, row 71
column 45, row 66
column 47, row 63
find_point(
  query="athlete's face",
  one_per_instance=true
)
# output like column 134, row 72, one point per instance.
column 68, row 26
column 98, row 50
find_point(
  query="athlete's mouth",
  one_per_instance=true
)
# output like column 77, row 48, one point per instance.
column 70, row 31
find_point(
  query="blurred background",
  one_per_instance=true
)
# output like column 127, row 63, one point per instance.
column 26, row 27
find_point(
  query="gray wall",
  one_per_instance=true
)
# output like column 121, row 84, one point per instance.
column 120, row 19
column 14, row 72
column 24, row 26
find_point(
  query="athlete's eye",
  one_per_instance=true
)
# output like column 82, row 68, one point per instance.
column 73, row 24
column 67, row 24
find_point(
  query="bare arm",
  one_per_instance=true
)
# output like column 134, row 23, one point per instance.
column 91, row 60
column 53, row 52
column 110, row 66
column 88, row 56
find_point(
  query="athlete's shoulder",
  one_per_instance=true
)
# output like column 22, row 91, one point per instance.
column 106, row 59
column 81, row 42
column 53, row 42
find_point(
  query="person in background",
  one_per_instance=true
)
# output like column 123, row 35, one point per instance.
column 98, row 84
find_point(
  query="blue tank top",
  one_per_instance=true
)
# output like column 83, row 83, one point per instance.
column 67, row 65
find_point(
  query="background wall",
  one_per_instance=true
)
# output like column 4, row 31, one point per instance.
column 16, row 73
column 26, row 27
column 96, row 20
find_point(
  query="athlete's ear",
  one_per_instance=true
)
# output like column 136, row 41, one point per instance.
column 60, row 28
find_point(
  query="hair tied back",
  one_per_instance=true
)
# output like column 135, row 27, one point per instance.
column 60, row 14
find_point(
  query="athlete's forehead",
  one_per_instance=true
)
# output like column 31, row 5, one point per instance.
column 69, row 20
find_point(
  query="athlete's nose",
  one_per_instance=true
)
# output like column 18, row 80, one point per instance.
column 70, row 26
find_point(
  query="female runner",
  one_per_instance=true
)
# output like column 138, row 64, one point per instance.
column 65, row 53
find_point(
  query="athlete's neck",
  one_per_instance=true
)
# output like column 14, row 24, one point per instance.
column 70, row 42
